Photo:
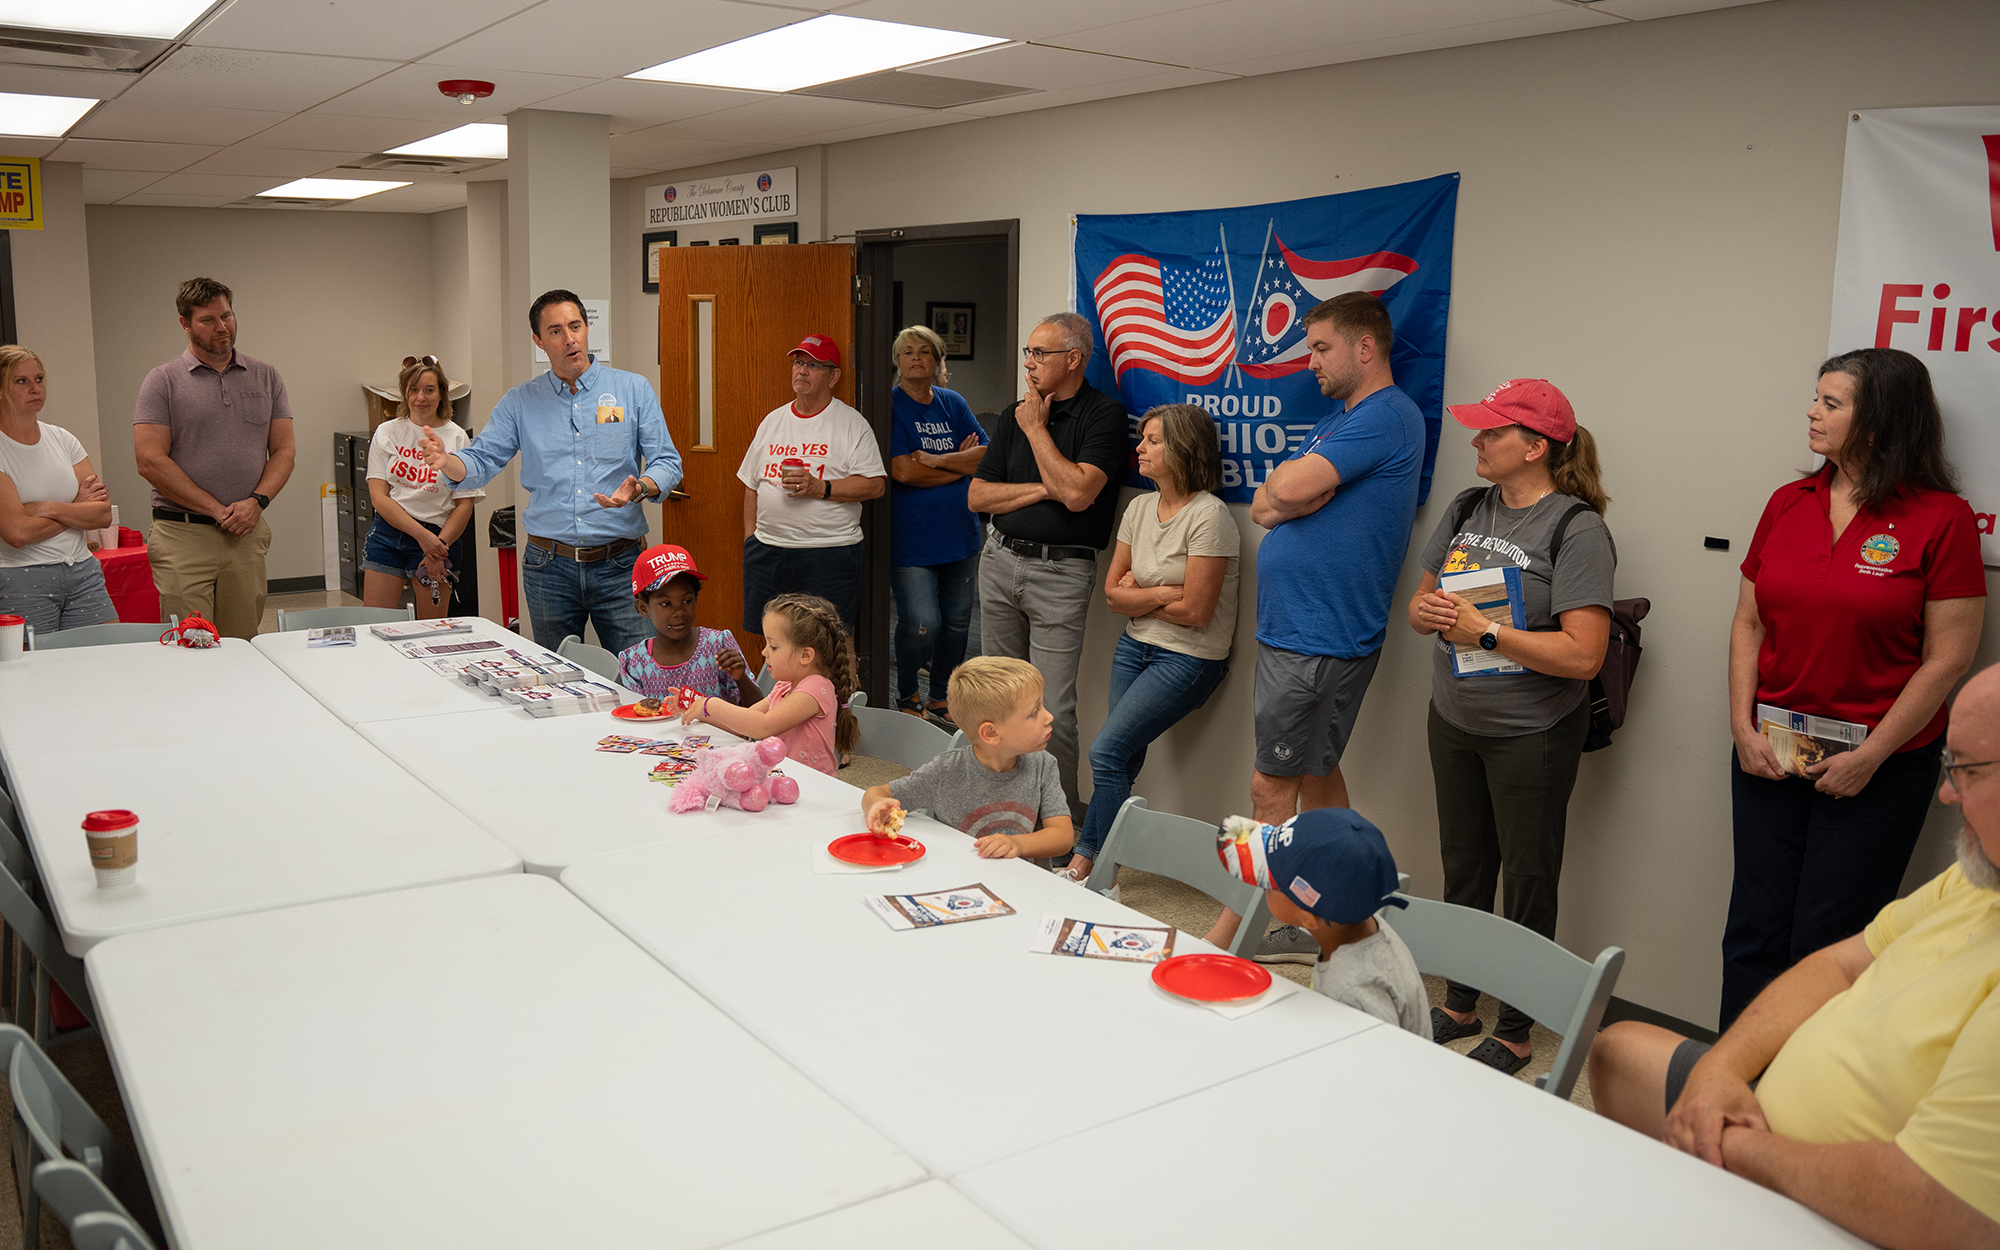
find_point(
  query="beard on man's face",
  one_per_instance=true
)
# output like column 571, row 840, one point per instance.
column 1981, row 871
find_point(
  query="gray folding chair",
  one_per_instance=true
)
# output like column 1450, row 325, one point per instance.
column 1184, row 849
column 25, row 914
column 765, row 680
column 52, row 1121
column 96, row 1220
column 909, row 740
column 328, row 618
column 1522, row 967
column 596, row 659
column 102, row 635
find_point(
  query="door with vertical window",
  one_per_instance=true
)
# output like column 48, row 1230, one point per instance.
column 728, row 318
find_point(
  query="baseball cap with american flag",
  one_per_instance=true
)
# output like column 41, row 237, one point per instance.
column 820, row 348
column 1329, row 861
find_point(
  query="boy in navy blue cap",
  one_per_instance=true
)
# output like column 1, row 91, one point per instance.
column 1336, row 873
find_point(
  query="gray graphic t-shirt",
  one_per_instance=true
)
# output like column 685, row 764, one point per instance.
column 1503, row 705
column 962, row 792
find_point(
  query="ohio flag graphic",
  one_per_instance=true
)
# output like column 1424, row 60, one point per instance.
column 1207, row 307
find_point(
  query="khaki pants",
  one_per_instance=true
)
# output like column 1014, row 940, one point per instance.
column 201, row 570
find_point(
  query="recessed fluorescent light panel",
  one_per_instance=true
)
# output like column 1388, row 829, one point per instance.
column 142, row 19
column 479, row 141
column 330, row 188
column 43, row 116
column 824, row 49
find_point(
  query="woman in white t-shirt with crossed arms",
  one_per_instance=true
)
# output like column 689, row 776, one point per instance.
column 417, row 516
column 48, row 497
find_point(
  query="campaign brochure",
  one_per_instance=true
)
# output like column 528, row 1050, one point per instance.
column 335, row 636
column 1800, row 741
column 404, row 631
column 421, row 650
column 1087, row 939
column 938, row 907
column 1496, row 592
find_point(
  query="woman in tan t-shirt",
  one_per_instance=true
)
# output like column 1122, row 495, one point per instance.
column 1174, row 575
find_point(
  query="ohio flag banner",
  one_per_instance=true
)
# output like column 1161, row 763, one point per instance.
column 1918, row 267
column 1205, row 308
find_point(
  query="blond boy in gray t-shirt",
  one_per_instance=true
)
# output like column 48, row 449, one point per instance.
column 1001, row 788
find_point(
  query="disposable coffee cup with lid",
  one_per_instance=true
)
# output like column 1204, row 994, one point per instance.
column 13, row 635
column 114, row 846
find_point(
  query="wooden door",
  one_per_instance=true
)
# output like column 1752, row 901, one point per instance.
column 729, row 316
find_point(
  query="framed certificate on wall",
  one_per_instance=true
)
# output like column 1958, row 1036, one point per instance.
column 650, row 244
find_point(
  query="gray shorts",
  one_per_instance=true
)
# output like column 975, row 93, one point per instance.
column 1306, row 705
column 57, row 596
column 1681, row 1063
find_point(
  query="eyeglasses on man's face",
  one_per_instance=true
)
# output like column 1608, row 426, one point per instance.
column 1039, row 354
column 1952, row 768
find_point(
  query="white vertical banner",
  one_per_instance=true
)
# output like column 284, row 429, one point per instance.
column 1918, row 268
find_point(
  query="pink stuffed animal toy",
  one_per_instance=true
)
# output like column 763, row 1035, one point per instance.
column 738, row 777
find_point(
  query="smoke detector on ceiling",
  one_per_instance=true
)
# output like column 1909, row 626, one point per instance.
column 466, row 90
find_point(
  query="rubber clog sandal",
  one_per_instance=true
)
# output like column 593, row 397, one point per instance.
column 1497, row 1057
column 1445, row 1029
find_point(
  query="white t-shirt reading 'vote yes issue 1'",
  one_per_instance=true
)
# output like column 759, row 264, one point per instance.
column 396, row 456
column 833, row 443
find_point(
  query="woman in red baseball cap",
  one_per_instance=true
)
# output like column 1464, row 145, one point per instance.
column 1511, row 668
column 1860, row 604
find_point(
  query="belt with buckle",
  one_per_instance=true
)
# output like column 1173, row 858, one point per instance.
column 193, row 518
column 1022, row 546
column 583, row 555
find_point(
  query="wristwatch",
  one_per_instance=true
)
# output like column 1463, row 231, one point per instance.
column 263, row 501
column 1490, row 640
column 648, row 489
column 825, row 488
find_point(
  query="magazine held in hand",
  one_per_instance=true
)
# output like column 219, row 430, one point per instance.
column 1800, row 741
column 1496, row 592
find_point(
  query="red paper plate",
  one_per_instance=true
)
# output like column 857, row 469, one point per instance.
column 630, row 711
column 1211, row 978
column 875, row 850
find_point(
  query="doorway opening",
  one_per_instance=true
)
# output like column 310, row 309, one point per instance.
column 962, row 280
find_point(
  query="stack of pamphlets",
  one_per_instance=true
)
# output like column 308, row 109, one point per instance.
column 421, row 650
column 1800, row 741
column 337, row 636
column 1496, row 592
column 404, row 631
column 512, row 668
column 562, row 698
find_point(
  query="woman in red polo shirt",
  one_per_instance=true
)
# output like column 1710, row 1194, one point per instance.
column 1861, row 601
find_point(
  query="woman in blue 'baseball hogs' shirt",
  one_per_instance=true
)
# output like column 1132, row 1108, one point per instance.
column 934, row 447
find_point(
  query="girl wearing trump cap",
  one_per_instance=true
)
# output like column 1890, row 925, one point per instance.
column 682, row 654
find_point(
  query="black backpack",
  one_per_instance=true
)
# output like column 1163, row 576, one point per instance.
column 1611, row 689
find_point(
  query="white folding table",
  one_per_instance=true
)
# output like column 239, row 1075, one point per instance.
column 540, row 785
column 305, row 811
column 372, row 681
column 930, row 1214
column 479, row 1064
column 86, row 698
column 957, row 1042
column 1382, row 1140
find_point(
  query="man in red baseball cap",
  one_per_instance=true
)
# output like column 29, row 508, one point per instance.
column 808, row 470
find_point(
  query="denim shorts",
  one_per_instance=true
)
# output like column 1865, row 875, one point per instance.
column 57, row 596
column 392, row 552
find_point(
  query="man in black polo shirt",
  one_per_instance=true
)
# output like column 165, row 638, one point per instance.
column 1049, row 481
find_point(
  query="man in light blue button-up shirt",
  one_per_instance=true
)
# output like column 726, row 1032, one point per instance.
column 592, row 442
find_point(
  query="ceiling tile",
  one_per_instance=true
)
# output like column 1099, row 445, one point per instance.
column 227, row 186
column 922, row 121
column 1046, row 68
column 270, row 162
column 635, row 105
column 24, row 146
column 130, row 119
column 661, row 148
column 279, row 81
column 102, row 186
column 412, row 92
column 1162, row 81
column 1237, row 30
column 1424, row 41
column 778, row 119
column 1640, row 10
column 396, row 30
column 116, row 154
column 93, row 84
column 323, row 132
column 568, row 37
column 1016, row 19
column 148, row 198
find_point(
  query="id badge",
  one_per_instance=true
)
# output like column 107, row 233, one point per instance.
column 609, row 414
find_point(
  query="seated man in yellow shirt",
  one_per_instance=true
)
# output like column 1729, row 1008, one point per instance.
column 1875, row 1061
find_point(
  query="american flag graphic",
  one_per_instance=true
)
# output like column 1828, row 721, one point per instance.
column 1168, row 319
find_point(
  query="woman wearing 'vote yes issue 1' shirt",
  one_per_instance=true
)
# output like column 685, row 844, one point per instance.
column 809, row 468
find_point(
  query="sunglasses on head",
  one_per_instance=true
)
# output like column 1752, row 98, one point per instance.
column 425, row 360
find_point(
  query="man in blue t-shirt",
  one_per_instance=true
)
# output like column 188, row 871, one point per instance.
column 1339, row 512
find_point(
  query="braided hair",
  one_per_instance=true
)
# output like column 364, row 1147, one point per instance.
column 812, row 621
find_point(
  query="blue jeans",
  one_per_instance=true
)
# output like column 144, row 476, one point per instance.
column 562, row 594
column 1152, row 688
column 933, row 618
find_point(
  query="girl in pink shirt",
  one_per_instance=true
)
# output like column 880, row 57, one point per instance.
column 813, row 660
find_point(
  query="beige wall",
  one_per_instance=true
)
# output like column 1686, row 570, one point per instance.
column 53, row 310
column 1647, row 216
column 333, row 300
